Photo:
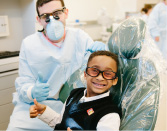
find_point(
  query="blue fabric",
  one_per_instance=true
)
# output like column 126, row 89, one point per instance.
column 157, row 24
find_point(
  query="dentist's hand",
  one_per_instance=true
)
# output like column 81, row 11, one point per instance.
column 97, row 45
column 41, row 90
column 36, row 109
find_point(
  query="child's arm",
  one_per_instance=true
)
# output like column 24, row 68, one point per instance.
column 46, row 114
column 36, row 109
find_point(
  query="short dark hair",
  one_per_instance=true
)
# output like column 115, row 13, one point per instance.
column 104, row 53
column 40, row 3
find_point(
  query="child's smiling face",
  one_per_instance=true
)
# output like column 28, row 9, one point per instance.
column 98, row 85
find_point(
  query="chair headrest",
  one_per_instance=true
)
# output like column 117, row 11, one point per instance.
column 127, row 39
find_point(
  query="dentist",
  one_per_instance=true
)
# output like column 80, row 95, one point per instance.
column 47, row 59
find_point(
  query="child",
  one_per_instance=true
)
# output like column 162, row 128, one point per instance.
column 88, row 108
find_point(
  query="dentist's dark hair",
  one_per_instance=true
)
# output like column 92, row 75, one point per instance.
column 40, row 3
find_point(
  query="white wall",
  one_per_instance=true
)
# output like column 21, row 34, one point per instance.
column 11, row 8
column 21, row 15
column 86, row 10
column 28, row 16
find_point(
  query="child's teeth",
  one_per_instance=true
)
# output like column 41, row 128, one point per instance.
column 99, row 85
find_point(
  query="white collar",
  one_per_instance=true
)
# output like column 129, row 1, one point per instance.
column 86, row 99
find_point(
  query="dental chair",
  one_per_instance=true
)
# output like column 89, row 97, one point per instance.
column 138, row 88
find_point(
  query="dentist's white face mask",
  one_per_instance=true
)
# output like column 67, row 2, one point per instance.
column 54, row 29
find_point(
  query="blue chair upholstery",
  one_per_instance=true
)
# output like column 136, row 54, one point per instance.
column 138, row 88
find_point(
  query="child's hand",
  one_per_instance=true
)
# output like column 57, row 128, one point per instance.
column 36, row 109
column 68, row 129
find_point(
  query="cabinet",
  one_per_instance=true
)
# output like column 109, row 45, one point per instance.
column 6, row 89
